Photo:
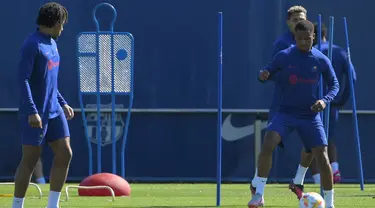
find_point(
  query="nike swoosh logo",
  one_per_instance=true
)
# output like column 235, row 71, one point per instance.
column 231, row 133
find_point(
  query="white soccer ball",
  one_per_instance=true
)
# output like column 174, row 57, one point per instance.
column 312, row 200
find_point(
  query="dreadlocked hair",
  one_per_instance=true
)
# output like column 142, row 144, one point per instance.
column 52, row 14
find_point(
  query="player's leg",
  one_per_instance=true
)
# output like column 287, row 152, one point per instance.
column 276, row 130
column 296, row 186
column 332, row 152
column 271, row 140
column 254, row 181
column 32, row 141
column 321, row 155
column 38, row 172
column 313, row 136
column 58, row 137
column 315, row 171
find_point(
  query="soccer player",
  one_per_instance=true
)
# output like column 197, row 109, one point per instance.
column 342, row 69
column 295, row 15
column 299, row 69
column 43, row 111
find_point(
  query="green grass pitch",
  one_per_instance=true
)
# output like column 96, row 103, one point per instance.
column 196, row 195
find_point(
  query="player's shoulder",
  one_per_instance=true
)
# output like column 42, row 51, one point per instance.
column 278, row 41
column 285, row 52
column 284, row 37
column 339, row 51
column 318, row 54
column 335, row 49
column 31, row 41
column 285, row 40
column 322, row 59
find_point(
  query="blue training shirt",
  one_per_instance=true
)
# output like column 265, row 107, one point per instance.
column 342, row 69
column 38, row 70
column 298, row 79
column 283, row 42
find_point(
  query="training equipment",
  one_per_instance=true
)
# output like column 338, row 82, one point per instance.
column 312, row 200
column 6, row 195
column 119, row 185
column 219, row 106
column 354, row 106
column 330, row 45
column 326, row 113
column 320, row 90
column 112, row 193
column 105, row 67
column 30, row 184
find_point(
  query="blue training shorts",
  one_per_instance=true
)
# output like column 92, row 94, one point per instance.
column 271, row 114
column 310, row 130
column 53, row 129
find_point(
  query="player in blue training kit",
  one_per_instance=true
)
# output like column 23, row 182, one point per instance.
column 342, row 69
column 298, row 70
column 43, row 111
column 295, row 15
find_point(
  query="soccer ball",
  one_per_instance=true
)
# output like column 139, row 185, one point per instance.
column 312, row 200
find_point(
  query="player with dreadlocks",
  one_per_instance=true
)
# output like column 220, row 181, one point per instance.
column 43, row 111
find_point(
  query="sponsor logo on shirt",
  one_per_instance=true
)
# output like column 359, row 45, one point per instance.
column 294, row 79
column 51, row 64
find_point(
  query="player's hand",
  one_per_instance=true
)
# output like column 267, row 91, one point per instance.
column 263, row 75
column 35, row 121
column 68, row 111
column 318, row 106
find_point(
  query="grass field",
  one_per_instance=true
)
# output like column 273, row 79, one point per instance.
column 196, row 195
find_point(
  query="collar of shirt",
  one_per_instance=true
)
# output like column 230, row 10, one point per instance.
column 303, row 52
column 43, row 34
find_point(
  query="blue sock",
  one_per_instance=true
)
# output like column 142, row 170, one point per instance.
column 41, row 180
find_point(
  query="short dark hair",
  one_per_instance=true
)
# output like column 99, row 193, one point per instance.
column 305, row 25
column 51, row 14
column 296, row 9
column 324, row 30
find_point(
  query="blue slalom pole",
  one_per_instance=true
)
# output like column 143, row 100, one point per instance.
column 330, row 45
column 354, row 106
column 328, row 107
column 219, row 107
column 320, row 91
